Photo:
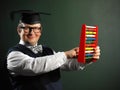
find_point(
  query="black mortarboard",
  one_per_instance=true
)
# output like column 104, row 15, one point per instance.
column 28, row 16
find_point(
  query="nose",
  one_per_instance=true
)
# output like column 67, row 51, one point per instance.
column 30, row 30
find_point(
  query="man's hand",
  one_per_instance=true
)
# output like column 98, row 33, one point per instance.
column 96, row 54
column 73, row 53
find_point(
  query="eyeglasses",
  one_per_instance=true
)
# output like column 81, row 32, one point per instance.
column 29, row 29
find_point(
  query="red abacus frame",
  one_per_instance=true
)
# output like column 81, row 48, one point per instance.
column 88, row 41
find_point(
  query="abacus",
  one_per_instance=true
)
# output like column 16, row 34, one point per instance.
column 88, row 41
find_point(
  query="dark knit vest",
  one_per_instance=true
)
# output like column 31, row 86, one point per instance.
column 47, row 81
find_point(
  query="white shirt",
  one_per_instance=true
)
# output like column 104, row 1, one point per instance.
column 21, row 64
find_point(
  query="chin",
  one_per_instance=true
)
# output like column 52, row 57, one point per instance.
column 32, row 42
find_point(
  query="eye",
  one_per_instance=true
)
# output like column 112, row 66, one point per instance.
column 37, row 28
column 25, row 28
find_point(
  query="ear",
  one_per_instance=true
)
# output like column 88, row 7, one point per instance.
column 19, row 30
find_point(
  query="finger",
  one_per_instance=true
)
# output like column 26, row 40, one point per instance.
column 76, row 49
column 97, row 48
column 96, row 57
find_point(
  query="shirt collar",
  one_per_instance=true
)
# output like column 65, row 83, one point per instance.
column 33, row 48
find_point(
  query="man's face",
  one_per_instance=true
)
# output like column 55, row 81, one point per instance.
column 30, row 33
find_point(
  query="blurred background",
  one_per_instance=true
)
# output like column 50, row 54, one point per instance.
column 61, row 31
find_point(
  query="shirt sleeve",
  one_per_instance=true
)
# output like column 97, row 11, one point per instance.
column 73, row 65
column 21, row 64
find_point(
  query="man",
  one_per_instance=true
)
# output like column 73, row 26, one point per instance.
column 37, row 67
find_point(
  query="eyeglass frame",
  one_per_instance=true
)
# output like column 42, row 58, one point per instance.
column 28, row 29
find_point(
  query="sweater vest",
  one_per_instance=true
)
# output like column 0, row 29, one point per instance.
column 46, row 81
